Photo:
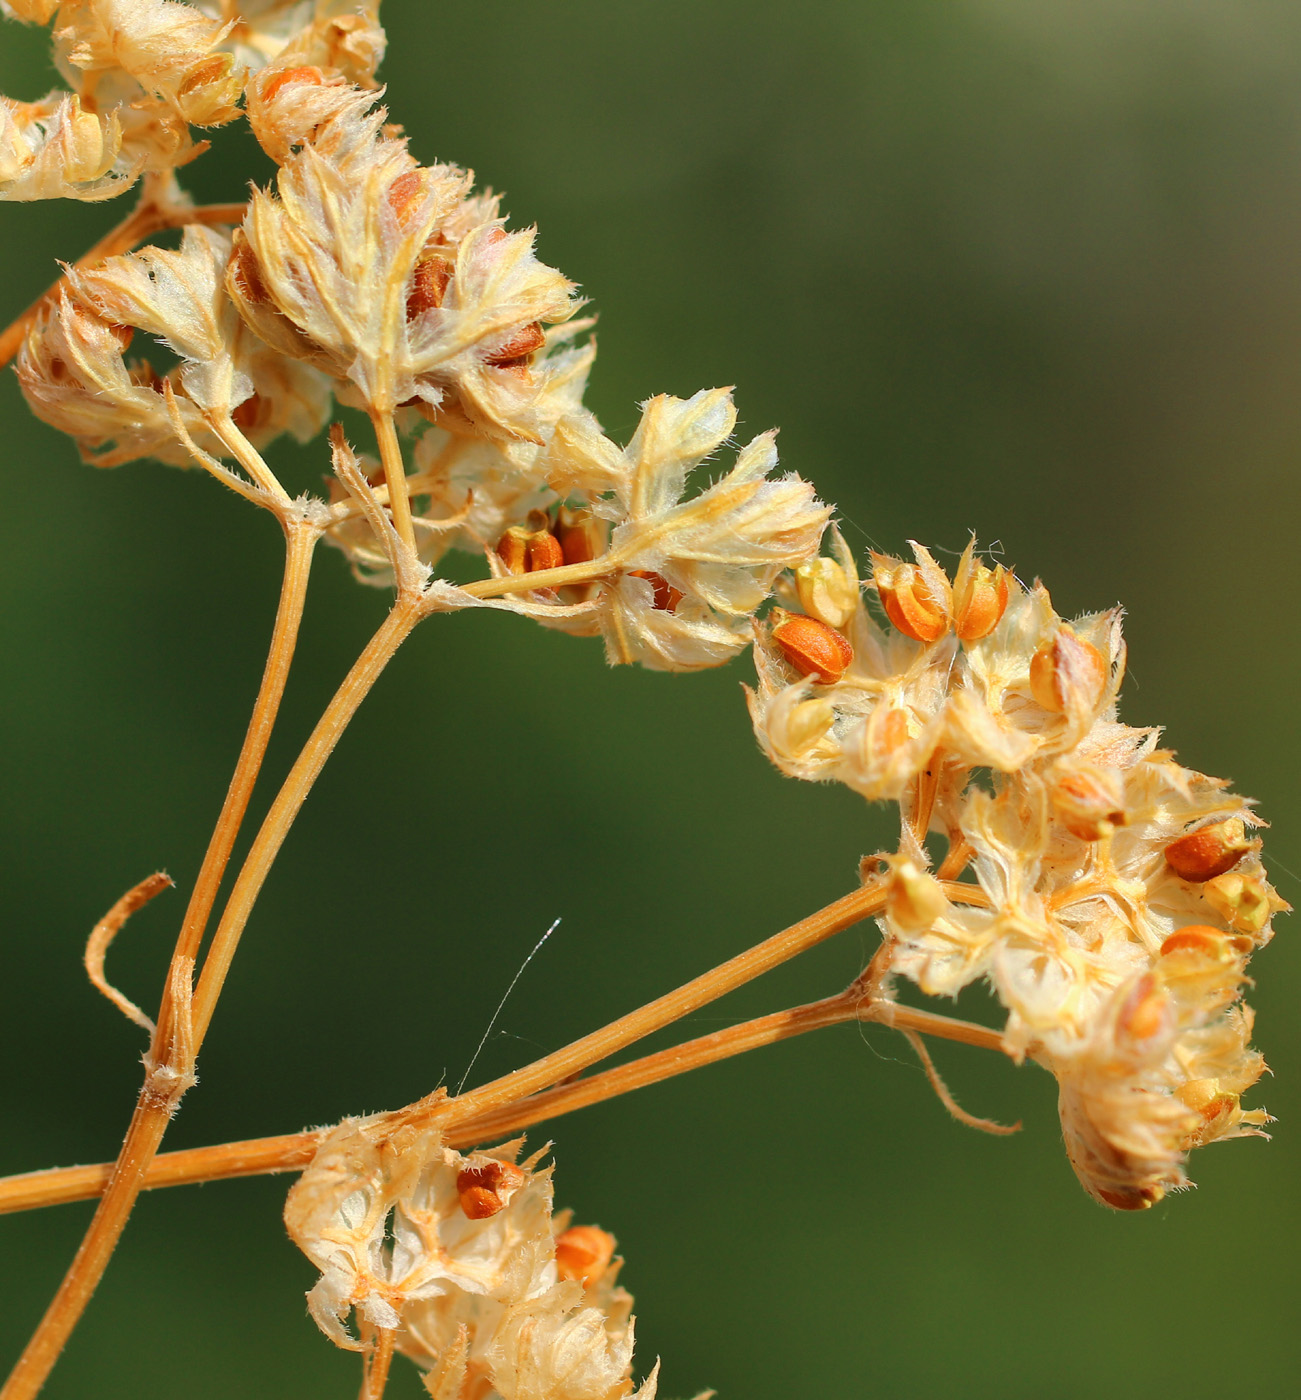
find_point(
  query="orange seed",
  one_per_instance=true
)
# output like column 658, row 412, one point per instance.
column 1067, row 669
column 1209, row 851
column 480, row 1188
column 813, row 648
column 583, row 1253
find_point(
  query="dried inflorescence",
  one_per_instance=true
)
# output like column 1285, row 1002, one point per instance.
column 460, row 1256
column 1109, row 896
column 1116, row 896
column 141, row 73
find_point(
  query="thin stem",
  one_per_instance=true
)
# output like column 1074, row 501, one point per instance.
column 147, row 218
column 720, row 1045
column 736, row 972
column 394, row 630
column 188, row 1025
column 293, row 1151
column 395, row 477
column 300, row 543
column 545, row 578
column 375, row 1380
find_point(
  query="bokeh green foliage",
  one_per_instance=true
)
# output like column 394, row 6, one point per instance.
column 1023, row 267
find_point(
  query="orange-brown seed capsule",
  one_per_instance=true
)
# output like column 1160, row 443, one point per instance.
column 813, row 648
column 979, row 598
column 211, row 70
column 1066, row 672
column 1209, row 851
column 581, row 535
column 1217, row 1107
column 908, row 601
column 1090, row 803
column 666, row 597
column 484, row 1189
column 525, row 551
column 1199, row 940
column 1144, row 1011
column 404, row 193
column 311, row 76
column 583, row 1253
column 246, row 274
column 515, row 353
column 428, row 285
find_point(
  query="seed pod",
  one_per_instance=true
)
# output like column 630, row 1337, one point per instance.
column 581, row 535
column 1209, row 851
column 666, row 597
column 525, row 551
column 813, row 648
column 1067, row 673
column 826, row 591
column 484, row 1189
column 1244, row 902
column 428, row 285
column 1145, row 1011
column 979, row 596
column 908, row 600
column 1090, row 803
column 1202, row 941
column 516, row 352
column 1216, row 1106
column 583, row 1253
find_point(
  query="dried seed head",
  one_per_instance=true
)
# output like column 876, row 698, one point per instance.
column 484, row 1189
column 1209, row 851
column 813, row 648
column 583, row 1253
column 826, row 591
column 909, row 600
column 1067, row 673
column 979, row 596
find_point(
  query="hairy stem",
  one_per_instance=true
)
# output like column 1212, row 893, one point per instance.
column 395, row 477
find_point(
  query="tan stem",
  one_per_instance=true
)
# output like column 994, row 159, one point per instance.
column 545, row 578
column 146, row 219
column 293, row 1151
column 378, row 1360
column 300, row 543
column 395, row 629
column 708, row 1049
column 154, row 1109
column 395, row 477
column 736, row 972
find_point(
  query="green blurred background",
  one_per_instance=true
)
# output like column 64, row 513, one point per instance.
column 1027, row 267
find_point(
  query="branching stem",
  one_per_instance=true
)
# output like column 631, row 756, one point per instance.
column 293, row 1151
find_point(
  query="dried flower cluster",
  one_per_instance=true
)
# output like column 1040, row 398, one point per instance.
column 1109, row 896
column 461, row 1258
column 1117, row 897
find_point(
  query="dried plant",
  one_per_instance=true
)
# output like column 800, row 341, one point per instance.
column 1110, row 897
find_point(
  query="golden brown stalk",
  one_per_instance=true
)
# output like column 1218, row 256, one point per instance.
column 293, row 1151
